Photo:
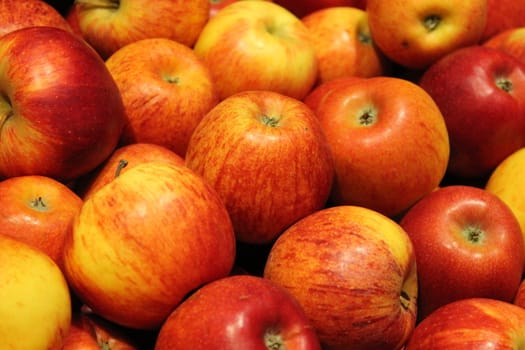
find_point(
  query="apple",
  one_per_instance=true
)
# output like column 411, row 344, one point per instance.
column 508, row 183
column 343, row 44
column 475, row 323
column 258, row 45
column 121, row 160
column 302, row 8
column 417, row 33
column 166, row 90
column 39, row 211
column 16, row 14
column 238, row 312
column 481, row 94
column 503, row 15
column 388, row 139
column 107, row 25
column 142, row 242
column 217, row 5
column 35, row 304
column 468, row 243
column 519, row 298
column 268, row 159
column 511, row 41
column 353, row 270
column 61, row 113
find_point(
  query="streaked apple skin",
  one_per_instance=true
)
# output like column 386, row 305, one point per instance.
column 61, row 113
column 476, row 323
column 145, row 240
column 238, row 312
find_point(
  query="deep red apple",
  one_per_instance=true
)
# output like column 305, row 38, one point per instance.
column 302, row 8
column 238, row 312
column 468, row 243
column 503, row 15
column 481, row 93
column 61, row 113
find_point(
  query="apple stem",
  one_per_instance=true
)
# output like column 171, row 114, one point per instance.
column 431, row 22
column 121, row 165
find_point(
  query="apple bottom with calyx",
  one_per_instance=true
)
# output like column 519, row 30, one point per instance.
column 238, row 312
column 474, row 323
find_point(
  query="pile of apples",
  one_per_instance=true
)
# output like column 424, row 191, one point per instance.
column 257, row 174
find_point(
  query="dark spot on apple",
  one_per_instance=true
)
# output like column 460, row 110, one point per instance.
column 405, row 300
column 364, row 38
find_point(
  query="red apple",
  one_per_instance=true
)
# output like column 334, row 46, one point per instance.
column 503, row 15
column 145, row 240
column 353, row 270
column 519, row 298
column 302, row 8
column 415, row 33
column 511, row 41
column 238, row 312
column 120, row 161
column 258, row 45
column 39, row 211
column 471, row 324
column 61, row 113
column 166, row 90
column 108, row 25
column 388, row 139
column 16, row 14
column 343, row 44
column 481, row 93
column 267, row 156
column 35, row 303
column 468, row 243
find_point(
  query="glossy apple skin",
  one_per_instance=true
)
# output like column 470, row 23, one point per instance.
column 61, row 114
column 108, row 25
column 39, row 211
column 142, row 242
column 475, row 323
column 343, row 43
column 400, row 28
column 217, row 5
column 302, row 8
column 507, row 182
column 17, row 14
column 503, row 15
column 258, row 45
column 166, row 90
column 468, row 243
column 348, row 267
column 511, row 41
column 267, row 156
column 238, row 312
column 35, row 303
column 476, row 108
column 387, row 152
column 132, row 154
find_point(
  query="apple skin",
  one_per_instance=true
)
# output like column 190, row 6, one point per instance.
column 511, row 41
column 16, row 14
column 108, row 25
column 353, row 270
column 142, row 242
column 468, row 243
column 474, row 323
column 166, row 90
column 121, row 160
column 35, row 303
column 302, row 8
column 258, row 45
column 388, row 153
column 217, row 5
column 417, row 33
column 485, row 102
column 519, row 298
column 343, row 43
column 61, row 113
column 238, row 312
column 503, row 15
column 508, row 184
column 39, row 211
column 267, row 156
